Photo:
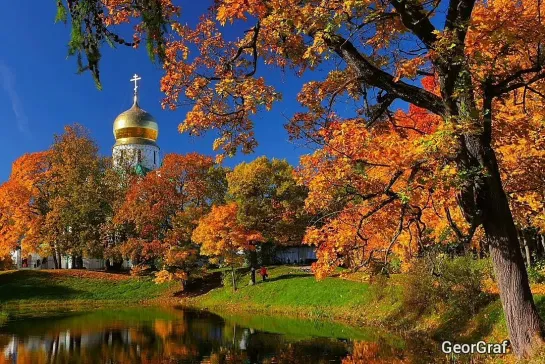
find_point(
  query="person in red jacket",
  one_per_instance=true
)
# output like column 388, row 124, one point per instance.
column 264, row 274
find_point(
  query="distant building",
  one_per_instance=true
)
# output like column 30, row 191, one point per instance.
column 298, row 254
column 35, row 261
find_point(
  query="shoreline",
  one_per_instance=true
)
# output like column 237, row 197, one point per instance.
column 290, row 292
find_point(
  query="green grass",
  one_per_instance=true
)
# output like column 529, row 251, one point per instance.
column 27, row 288
column 289, row 289
column 293, row 293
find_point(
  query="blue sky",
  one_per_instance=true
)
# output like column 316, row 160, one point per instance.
column 40, row 92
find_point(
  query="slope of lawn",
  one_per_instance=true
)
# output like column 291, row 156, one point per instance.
column 292, row 292
column 47, row 288
column 290, row 289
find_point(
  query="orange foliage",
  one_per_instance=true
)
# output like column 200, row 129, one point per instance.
column 222, row 237
column 21, row 203
column 162, row 208
column 382, row 189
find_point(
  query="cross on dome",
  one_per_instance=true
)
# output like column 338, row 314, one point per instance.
column 135, row 79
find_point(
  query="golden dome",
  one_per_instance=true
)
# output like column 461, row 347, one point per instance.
column 135, row 126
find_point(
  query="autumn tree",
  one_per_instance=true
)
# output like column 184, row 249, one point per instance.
column 223, row 238
column 116, row 184
column 482, row 53
column 79, row 201
column 269, row 200
column 160, row 211
column 53, row 202
column 519, row 144
column 24, row 204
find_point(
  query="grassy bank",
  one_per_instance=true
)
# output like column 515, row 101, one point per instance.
column 292, row 292
column 26, row 289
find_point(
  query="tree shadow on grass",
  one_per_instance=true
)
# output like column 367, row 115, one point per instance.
column 454, row 323
column 200, row 286
column 288, row 276
column 34, row 286
column 469, row 326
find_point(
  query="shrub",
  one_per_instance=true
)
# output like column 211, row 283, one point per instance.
column 227, row 278
column 6, row 262
column 437, row 283
column 140, row 270
column 394, row 265
column 4, row 316
column 535, row 274
column 379, row 287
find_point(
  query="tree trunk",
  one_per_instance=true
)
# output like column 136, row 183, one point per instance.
column 73, row 258
column 233, row 278
column 490, row 201
column 523, row 320
column 252, row 258
column 55, row 262
column 59, row 257
column 79, row 262
column 527, row 253
column 116, row 265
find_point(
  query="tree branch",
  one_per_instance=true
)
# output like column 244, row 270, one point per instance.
column 415, row 19
column 508, row 84
column 381, row 108
column 378, row 78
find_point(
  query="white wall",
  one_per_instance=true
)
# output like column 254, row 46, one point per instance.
column 296, row 254
column 66, row 262
column 127, row 155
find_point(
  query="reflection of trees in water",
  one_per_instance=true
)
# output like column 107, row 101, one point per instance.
column 314, row 351
column 380, row 352
column 185, row 337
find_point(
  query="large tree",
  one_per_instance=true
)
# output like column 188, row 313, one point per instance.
column 55, row 202
column 481, row 53
column 78, row 202
column 160, row 211
column 269, row 199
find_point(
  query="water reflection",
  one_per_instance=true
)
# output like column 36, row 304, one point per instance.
column 151, row 335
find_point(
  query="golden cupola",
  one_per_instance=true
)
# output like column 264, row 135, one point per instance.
column 135, row 126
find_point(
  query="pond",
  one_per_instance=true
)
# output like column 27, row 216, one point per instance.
column 174, row 335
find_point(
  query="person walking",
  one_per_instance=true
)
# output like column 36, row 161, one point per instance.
column 264, row 274
column 252, row 275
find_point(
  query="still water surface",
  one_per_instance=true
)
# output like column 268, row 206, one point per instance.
column 169, row 335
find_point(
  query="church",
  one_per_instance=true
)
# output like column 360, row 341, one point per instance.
column 135, row 132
